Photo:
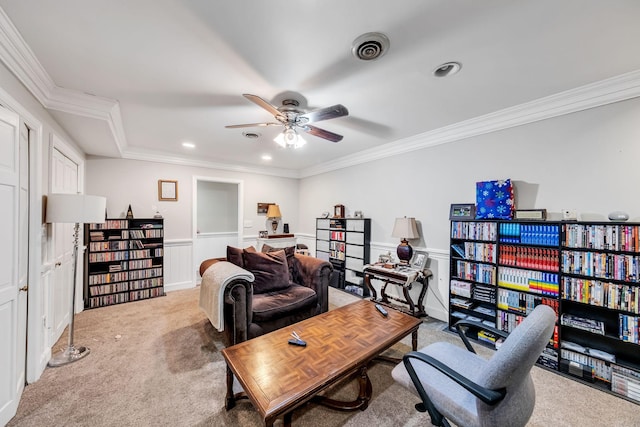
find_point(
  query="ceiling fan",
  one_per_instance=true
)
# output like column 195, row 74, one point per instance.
column 293, row 118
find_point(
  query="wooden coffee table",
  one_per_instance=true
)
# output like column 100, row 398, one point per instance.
column 278, row 377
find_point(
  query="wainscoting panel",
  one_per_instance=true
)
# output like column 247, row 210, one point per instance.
column 178, row 271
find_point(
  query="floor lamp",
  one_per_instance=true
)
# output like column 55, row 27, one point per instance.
column 75, row 209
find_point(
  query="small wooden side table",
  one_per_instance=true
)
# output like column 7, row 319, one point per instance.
column 406, row 278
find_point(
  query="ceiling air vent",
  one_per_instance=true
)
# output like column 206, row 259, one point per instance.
column 370, row 46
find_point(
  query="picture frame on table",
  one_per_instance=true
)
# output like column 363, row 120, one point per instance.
column 419, row 260
column 462, row 211
column 263, row 234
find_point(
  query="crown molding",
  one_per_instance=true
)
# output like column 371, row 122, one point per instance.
column 155, row 156
column 615, row 89
column 22, row 62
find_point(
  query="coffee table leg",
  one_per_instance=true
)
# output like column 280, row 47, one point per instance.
column 287, row 419
column 230, row 399
column 362, row 402
column 366, row 389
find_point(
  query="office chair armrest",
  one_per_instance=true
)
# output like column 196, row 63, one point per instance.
column 479, row 325
column 488, row 396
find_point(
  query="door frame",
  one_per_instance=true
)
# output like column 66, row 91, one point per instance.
column 194, row 213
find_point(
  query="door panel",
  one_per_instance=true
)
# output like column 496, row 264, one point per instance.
column 65, row 180
column 10, row 386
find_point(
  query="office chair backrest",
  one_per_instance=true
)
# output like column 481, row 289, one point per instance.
column 510, row 368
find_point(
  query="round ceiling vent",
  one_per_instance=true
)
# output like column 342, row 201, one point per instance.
column 370, row 46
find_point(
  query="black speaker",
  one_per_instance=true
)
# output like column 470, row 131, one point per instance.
column 285, row 228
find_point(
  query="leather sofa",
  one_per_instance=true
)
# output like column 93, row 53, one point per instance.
column 251, row 310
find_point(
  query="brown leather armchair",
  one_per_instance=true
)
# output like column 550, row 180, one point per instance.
column 248, row 313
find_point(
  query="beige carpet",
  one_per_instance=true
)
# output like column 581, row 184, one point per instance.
column 158, row 363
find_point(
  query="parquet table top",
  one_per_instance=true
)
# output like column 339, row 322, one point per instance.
column 278, row 377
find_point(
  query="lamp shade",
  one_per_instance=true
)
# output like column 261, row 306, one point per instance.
column 274, row 211
column 405, row 228
column 75, row 208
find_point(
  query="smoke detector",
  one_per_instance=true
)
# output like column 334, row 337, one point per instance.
column 370, row 46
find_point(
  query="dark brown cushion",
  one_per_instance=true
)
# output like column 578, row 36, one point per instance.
column 270, row 270
column 291, row 254
column 288, row 303
column 234, row 255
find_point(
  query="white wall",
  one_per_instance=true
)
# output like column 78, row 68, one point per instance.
column 586, row 160
column 134, row 182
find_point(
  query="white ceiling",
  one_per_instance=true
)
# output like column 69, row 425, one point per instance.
column 135, row 79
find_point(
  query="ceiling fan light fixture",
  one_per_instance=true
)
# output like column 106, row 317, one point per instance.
column 447, row 69
column 289, row 139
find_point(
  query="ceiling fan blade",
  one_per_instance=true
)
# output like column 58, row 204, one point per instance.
column 251, row 125
column 327, row 113
column 262, row 103
column 322, row 133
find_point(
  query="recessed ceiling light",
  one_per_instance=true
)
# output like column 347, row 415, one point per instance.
column 251, row 135
column 266, row 157
column 188, row 144
column 447, row 69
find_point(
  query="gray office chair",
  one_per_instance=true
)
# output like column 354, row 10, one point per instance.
column 468, row 390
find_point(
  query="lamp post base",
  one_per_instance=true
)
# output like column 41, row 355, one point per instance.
column 69, row 355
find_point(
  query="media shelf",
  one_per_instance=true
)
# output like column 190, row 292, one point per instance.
column 344, row 242
column 124, row 261
column 589, row 272
column 473, row 290
column 600, row 269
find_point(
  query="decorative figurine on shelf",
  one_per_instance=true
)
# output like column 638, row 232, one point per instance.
column 129, row 213
column 386, row 258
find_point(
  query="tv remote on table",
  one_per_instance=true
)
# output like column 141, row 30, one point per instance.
column 381, row 310
column 295, row 341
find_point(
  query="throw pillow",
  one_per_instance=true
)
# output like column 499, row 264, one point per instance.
column 270, row 270
column 291, row 255
column 234, row 255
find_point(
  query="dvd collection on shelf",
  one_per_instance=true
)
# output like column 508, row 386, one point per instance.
column 124, row 261
column 344, row 242
column 588, row 272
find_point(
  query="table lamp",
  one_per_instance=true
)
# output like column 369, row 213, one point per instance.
column 273, row 218
column 405, row 228
column 75, row 209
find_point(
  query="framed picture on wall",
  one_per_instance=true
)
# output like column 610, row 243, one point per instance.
column 167, row 190
column 263, row 208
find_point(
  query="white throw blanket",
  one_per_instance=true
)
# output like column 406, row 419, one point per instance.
column 214, row 282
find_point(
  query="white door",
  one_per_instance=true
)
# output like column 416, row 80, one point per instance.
column 23, row 254
column 64, row 175
column 11, row 379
